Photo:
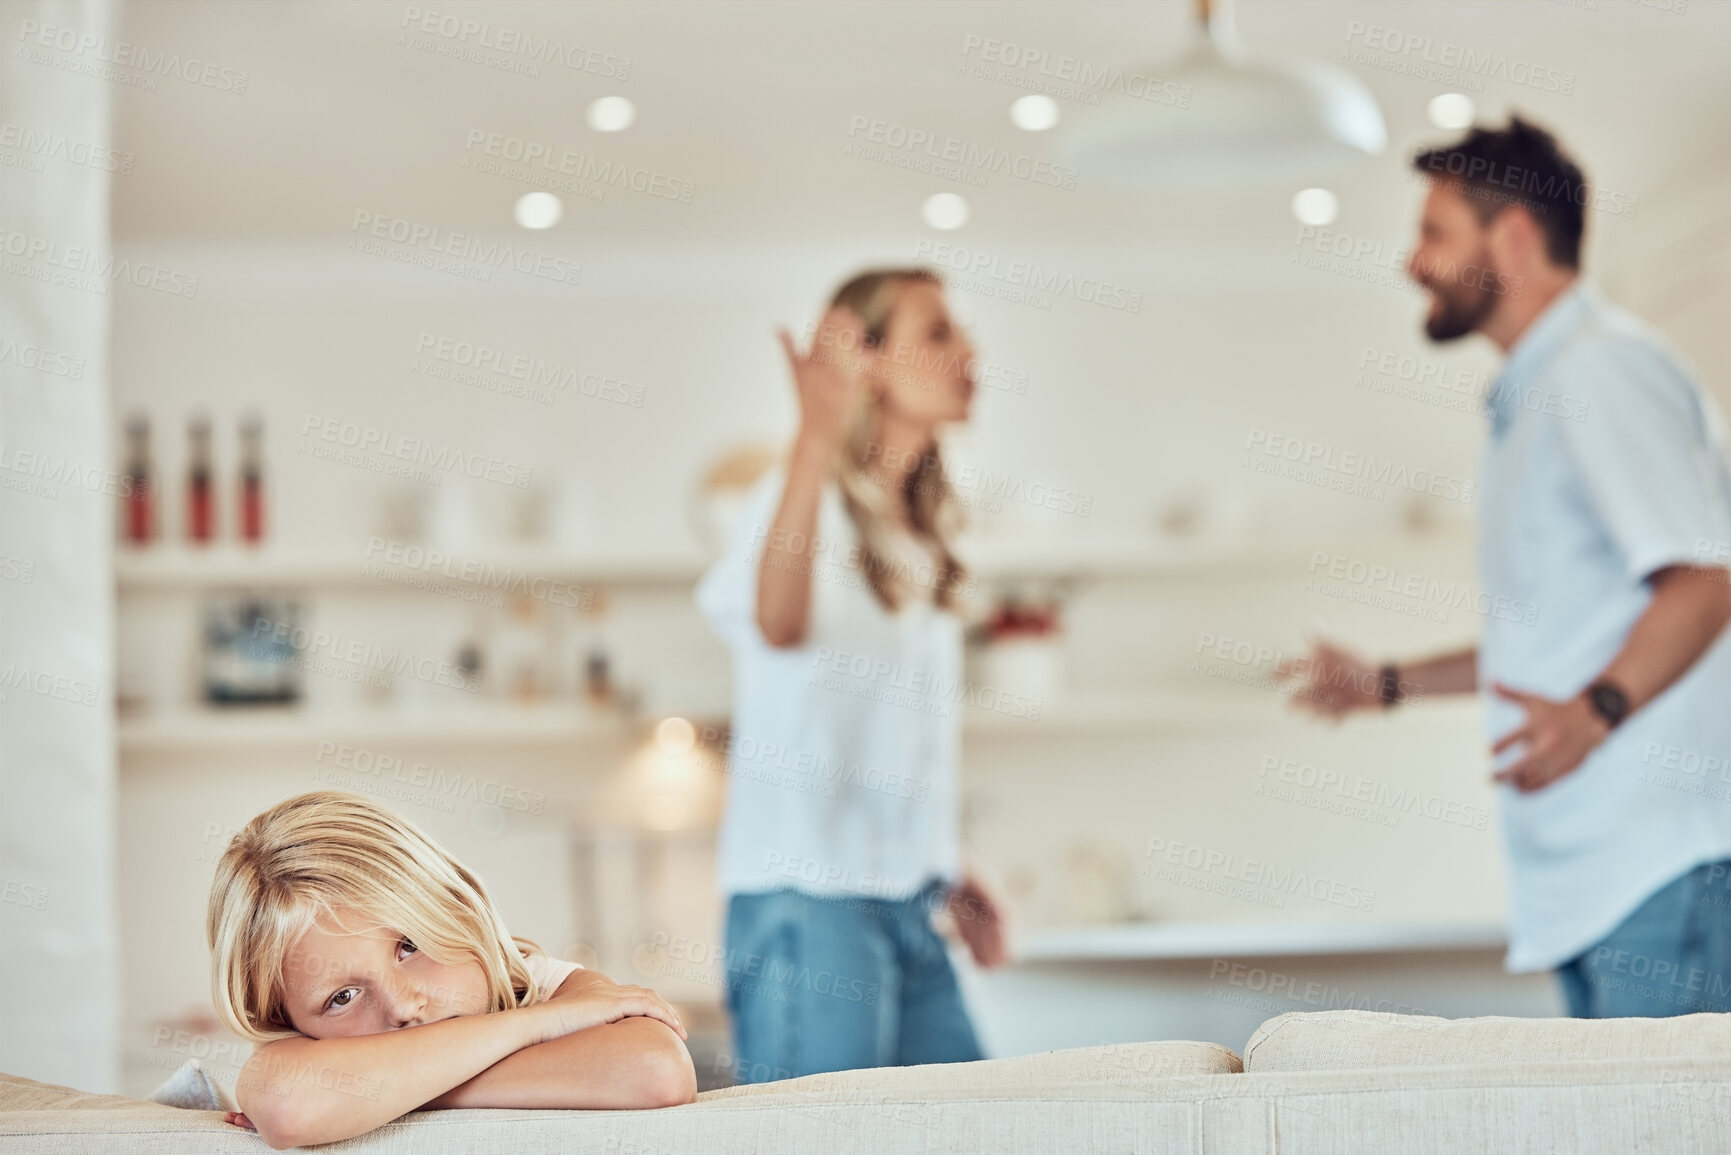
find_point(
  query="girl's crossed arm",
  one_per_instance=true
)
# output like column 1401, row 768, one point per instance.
column 594, row 1044
column 635, row 1062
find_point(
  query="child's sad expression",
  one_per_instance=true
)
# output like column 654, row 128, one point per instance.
column 344, row 979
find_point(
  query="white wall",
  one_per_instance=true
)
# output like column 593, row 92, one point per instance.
column 1676, row 271
column 59, row 950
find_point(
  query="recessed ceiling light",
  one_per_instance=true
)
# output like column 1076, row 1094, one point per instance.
column 1315, row 206
column 1035, row 112
column 611, row 114
column 945, row 211
column 675, row 735
column 539, row 210
column 1451, row 110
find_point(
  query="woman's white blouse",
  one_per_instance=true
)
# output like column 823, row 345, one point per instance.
column 844, row 749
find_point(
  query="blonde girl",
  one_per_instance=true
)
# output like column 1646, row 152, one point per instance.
column 376, row 976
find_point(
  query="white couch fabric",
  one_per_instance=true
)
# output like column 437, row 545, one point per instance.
column 1368, row 1039
column 1152, row 1097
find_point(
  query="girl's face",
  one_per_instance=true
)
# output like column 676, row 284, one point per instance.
column 344, row 979
column 925, row 364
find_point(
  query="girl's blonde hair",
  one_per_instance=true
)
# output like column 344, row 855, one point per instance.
column 306, row 856
column 925, row 493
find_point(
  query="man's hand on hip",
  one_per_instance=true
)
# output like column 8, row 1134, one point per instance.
column 1558, row 738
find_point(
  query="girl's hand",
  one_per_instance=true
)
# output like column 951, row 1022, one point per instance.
column 238, row 1119
column 829, row 377
column 602, row 1000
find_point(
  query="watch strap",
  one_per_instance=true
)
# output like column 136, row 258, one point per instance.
column 1388, row 684
column 1609, row 702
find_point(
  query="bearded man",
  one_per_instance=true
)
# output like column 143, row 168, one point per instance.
column 1607, row 505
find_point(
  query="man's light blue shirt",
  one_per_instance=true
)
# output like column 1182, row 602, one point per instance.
column 1606, row 462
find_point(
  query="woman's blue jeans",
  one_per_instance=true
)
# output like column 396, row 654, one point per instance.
column 835, row 984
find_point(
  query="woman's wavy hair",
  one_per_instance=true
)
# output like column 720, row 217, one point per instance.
column 305, row 857
column 926, row 492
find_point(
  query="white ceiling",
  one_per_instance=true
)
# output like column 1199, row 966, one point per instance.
column 751, row 102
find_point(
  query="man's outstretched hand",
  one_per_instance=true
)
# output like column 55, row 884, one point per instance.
column 1331, row 682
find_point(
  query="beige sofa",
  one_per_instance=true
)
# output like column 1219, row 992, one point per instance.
column 1336, row 1081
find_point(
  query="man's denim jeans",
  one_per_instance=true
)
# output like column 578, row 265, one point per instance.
column 1671, row 957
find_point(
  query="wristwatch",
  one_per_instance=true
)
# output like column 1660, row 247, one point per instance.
column 1609, row 702
column 1388, row 685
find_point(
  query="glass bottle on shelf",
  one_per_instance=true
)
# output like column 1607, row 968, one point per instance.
column 200, row 512
column 470, row 664
column 138, row 519
column 520, row 649
column 252, row 479
column 596, row 673
column 597, row 678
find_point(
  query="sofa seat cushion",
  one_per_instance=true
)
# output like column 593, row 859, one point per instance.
column 1363, row 1040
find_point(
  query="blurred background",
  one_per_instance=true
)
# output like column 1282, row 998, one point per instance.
column 379, row 379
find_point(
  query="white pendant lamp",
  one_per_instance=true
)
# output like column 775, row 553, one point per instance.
column 1227, row 116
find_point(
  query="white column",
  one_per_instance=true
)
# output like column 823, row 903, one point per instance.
column 59, row 947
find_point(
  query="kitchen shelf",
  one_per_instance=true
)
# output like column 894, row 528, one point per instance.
column 242, row 728
column 1105, row 557
column 1071, row 559
column 1155, row 941
column 1150, row 709
column 176, row 567
column 1024, row 558
column 1143, row 711
column 1158, row 709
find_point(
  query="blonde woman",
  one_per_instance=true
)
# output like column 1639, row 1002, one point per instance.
column 335, row 926
column 839, row 597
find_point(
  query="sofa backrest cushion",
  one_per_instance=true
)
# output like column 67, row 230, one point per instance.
column 20, row 1094
column 1026, row 1076
column 1361, row 1040
column 1140, row 1096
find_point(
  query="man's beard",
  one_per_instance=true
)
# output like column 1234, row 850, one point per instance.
column 1461, row 308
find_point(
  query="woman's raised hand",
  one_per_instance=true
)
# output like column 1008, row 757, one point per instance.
column 828, row 377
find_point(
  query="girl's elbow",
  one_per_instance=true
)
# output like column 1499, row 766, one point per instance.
column 287, row 1121
column 279, row 1142
column 666, row 1077
column 674, row 1082
column 277, row 1124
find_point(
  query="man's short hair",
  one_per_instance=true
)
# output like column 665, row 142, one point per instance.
column 1518, row 165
